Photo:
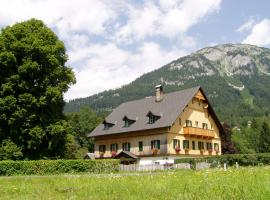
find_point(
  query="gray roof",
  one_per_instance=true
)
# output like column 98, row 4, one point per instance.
column 168, row 109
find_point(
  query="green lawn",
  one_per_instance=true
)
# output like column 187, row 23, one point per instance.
column 244, row 183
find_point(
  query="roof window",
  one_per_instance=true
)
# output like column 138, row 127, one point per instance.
column 152, row 118
column 127, row 121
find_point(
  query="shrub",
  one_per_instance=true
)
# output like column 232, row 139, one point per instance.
column 42, row 167
column 230, row 159
column 10, row 151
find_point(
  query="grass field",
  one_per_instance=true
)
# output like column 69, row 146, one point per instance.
column 243, row 183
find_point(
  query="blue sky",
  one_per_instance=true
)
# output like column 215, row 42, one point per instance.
column 112, row 42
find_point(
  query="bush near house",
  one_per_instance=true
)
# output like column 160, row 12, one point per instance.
column 230, row 159
column 41, row 167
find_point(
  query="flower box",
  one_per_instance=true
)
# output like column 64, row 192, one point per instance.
column 113, row 154
column 177, row 150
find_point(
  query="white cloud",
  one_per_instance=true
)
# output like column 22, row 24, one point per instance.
column 260, row 34
column 65, row 16
column 179, row 18
column 167, row 18
column 110, row 67
column 110, row 43
column 246, row 26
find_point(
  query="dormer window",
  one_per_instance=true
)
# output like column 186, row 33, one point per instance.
column 107, row 125
column 152, row 118
column 128, row 122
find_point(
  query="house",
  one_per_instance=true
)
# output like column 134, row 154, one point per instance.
column 160, row 128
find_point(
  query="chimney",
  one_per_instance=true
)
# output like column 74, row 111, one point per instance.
column 159, row 93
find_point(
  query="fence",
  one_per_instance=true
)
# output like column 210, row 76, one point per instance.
column 136, row 167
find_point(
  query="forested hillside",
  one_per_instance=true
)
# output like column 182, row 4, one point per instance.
column 235, row 77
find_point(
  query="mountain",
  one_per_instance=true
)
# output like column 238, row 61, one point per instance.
column 235, row 77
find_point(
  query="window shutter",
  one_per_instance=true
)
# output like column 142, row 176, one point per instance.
column 158, row 144
column 152, row 144
column 128, row 146
column 116, row 147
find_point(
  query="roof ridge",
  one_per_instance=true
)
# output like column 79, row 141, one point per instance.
column 149, row 97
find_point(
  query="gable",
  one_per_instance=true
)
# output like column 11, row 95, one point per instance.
column 199, row 111
column 200, row 96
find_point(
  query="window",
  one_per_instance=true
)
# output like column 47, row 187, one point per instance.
column 102, row 148
column 211, row 126
column 152, row 118
column 176, row 143
column 216, row 146
column 114, row 147
column 179, row 121
column 107, row 125
column 188, row 123
column 140, row 146
column 127, row 121
column 155, row 144
column 126, row 146
column 200, row 145
column 196, row 123
column 193, row 145
column 204, row 126
column 208, row 145
column 186, row 144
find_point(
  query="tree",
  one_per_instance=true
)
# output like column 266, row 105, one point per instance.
column 264, row 144
column 10, row 151
column 82, row 123
column 33, row 78
column 227, row 146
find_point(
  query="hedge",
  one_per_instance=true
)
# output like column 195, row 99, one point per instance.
column 230, row 159
column 41, row 167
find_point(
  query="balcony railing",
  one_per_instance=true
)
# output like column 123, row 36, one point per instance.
column 198, row 132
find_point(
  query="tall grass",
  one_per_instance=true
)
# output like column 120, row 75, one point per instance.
column 243, row 183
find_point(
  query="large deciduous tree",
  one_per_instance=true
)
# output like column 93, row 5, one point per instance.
column 33, row 78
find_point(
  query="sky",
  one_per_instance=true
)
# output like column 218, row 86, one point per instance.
column 112, row 42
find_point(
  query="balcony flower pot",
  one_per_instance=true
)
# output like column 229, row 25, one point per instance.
column 186, row 151
column 177, row 150
column 113, row 154
column 155, row 151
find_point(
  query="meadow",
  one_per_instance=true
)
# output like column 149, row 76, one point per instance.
column 242, row 183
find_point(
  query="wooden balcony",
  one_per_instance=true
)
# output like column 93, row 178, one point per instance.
column 199, row 132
